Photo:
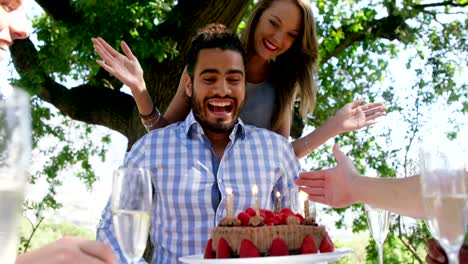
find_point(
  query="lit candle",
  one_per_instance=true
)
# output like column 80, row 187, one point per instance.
column 255, row 192
column 304, row 196
column 278, row 196
column 230, row 202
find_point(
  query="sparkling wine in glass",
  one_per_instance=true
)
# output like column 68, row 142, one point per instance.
column 131, row 210
column 15, row 151
column 443, row 190
column 378, row 221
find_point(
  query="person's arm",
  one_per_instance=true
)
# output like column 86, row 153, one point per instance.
column 342, row 186
column 70, row 250
column 128, row 70
column 350, row 117
column 284, row 128
column 179, row 107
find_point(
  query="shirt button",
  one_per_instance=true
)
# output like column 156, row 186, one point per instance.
column 220, row 213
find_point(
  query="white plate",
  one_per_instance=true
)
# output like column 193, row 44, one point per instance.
column 296, row 259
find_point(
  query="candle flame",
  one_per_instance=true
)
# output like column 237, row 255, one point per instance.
column 229, row 191
column 303, row 195
column 278, row 194
column 254, row 189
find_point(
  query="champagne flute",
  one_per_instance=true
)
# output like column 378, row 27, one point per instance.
column 378, row 221
column 15, row 151
column 444, row 191
column 131, row 210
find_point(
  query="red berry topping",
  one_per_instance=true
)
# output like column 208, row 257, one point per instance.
column 326, row 245
column 250, row 211
column 287, row 211
column 308, row 245
column 269, row 214
column 209, row 253
column 301, row 218
column 244, row 218
column 278, row 248
column 223, row 250
column 248, row 250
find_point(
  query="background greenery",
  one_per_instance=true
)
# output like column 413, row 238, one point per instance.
column 357, row 41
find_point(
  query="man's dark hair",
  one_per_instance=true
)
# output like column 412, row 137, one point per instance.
column 213, row 36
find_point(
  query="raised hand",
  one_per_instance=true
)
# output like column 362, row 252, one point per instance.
column 353, row 116
column 126, row 67
column 334, row 186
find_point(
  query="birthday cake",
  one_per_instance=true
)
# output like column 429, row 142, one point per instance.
column 267, row 233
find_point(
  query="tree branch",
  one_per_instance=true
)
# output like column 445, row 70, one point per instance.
column 445, row 3
column 88, row 103
column 61, row 11
column 386, row 28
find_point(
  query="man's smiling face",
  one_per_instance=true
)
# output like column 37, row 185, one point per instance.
column 218, row 89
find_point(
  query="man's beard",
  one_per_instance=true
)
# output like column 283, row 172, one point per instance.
column 218, row 126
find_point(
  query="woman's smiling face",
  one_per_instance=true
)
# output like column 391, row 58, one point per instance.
column 277, row 28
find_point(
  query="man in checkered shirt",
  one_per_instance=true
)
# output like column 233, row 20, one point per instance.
column 194, row 161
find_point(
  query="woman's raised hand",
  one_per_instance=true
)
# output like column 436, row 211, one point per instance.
column 353, row 116
column 126, row 67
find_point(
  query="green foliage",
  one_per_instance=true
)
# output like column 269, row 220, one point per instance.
column 65, row 151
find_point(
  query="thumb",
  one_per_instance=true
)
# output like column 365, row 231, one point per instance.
column 339, row 155
column 357, row 103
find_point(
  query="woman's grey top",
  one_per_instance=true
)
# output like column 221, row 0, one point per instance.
column 259, row 102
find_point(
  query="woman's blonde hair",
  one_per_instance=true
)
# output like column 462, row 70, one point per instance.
column 293, row 72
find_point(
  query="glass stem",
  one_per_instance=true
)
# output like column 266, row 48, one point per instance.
column 380, row 249
column 453, row 257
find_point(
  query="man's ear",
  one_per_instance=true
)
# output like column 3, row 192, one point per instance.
column 188, row 85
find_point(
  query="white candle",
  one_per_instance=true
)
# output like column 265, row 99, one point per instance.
column 230, row 202
column 255, row 192
column 278, row 196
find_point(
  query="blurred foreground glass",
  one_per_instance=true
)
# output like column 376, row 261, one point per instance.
column 443, row 187
column 379, row 222
column 15, row 151
column 131, row 210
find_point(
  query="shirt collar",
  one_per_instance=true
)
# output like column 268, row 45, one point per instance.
column 193, row 128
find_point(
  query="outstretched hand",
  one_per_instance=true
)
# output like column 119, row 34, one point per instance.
column 334, row 186
column 126, row 67
column 353, row 116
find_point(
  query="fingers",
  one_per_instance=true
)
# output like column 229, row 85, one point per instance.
column 110, row 50
column 313, row 192
column 98, row 250
column 374, row 110
column 313, row 175
column 357, row 103
column 127, row 51
column 105, row 66
column 378, row 105
column 310, row 183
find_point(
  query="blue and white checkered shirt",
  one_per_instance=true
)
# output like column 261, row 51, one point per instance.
column 188, row 182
